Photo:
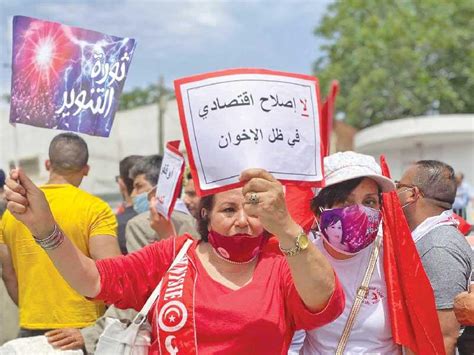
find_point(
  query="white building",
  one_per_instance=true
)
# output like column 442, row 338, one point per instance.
column 134, row 132
column 449, row 138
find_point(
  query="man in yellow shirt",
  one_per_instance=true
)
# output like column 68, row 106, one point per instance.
column 44, row 299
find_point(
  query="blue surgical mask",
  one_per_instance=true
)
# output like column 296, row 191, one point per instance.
column 140, row 203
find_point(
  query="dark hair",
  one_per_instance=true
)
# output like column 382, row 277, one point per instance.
column 189, row 176
column 150, row 166
column 124, row 170
column 333, row 219
column 2, row 178
column 206, row 203
column 436, row 181
column 331, row 195
column 68, row 153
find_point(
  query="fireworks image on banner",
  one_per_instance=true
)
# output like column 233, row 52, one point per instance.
column 66, row 77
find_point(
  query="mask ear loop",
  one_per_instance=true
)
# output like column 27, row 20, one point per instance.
column 316, row 227
column 415, row 192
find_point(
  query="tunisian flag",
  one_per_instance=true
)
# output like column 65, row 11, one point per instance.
column 413, row 316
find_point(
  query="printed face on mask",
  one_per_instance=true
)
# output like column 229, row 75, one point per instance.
column 352, row 225
column 358, row 228
column 334, row 233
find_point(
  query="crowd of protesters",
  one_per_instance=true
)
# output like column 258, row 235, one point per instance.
column 257, row 281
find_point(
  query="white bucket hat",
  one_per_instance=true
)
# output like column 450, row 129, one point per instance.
column 349, row 165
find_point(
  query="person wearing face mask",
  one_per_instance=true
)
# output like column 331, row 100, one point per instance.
column 127, row 212
column 427, row 190
column 236, row 291
column 139, row 231
column 348, row 211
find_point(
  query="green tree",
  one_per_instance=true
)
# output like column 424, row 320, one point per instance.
column 143, row 96
column 398, row 58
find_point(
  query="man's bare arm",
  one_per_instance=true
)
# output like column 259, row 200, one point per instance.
column 449, row 329
column 8, row 273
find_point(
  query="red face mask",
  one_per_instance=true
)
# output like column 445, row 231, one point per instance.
column 239, row 248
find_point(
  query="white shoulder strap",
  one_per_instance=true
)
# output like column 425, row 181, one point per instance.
column 141, row 316
column 361, row 293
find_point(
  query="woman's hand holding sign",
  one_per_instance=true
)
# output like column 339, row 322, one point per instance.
column 28, row 204
column 311, row 272
column 266, row 200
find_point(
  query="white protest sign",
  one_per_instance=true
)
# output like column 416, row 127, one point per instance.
column 250, row 118
column 169, row 181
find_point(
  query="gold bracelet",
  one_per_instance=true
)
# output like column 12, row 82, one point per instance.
column 301, row 243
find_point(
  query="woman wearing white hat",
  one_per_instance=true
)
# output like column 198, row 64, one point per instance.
column 349, row 212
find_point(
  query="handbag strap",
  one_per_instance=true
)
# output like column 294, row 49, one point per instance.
column 360, row 295
column 141, row 316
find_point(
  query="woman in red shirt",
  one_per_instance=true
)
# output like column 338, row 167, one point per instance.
column 235, row 292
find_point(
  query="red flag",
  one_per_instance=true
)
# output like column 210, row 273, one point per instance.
column 298, row 202
column 327, row 117
column 413, row 316
column 298, row 198
column 463, row 226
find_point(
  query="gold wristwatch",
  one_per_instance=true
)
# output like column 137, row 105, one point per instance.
column 301, row 243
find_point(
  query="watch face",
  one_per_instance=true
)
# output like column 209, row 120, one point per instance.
column 303, row 241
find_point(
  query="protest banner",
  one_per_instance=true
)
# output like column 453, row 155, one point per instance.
column 66, row 77
column 170, row 179
column 250, row 118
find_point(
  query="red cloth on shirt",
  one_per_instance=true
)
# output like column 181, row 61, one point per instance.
column 259, row 318
column 463, row 226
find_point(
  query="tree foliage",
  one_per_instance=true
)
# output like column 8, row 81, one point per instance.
column 143, row 96
column 398, row 58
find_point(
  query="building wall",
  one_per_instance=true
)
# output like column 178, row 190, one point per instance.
column 448, row 138
column 134, row 132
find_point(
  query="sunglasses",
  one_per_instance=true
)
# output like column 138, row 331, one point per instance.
column 399, row 185
column 443, row 203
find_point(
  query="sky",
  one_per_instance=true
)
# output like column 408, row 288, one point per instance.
column 181, row 38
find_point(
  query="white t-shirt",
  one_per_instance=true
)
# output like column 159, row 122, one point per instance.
column 371, row 333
